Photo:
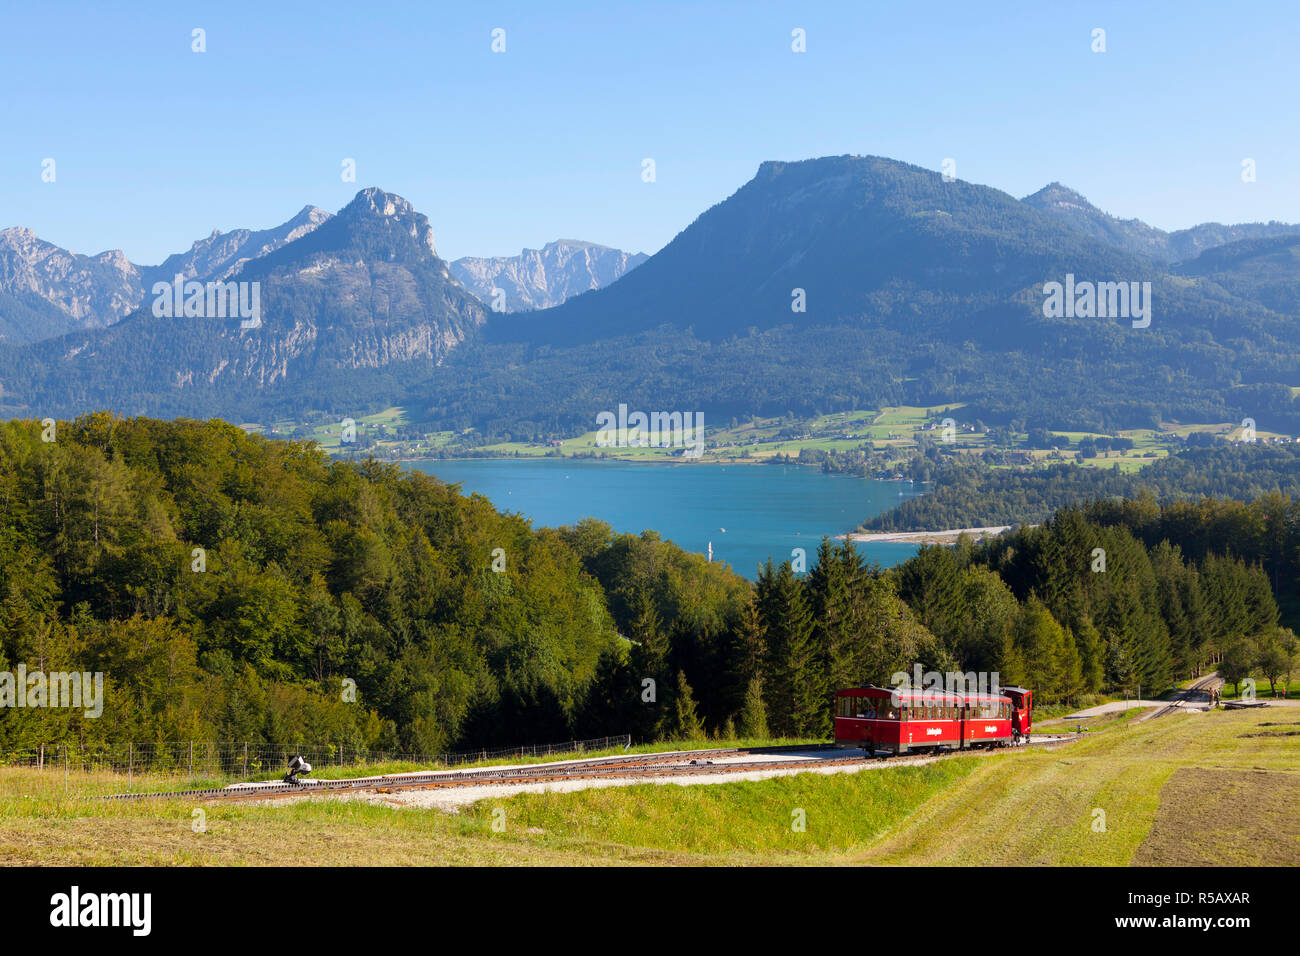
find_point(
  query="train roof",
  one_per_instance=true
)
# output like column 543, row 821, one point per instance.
column 909, row 693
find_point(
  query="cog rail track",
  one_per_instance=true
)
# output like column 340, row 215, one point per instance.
column 1176, row 706
column 676, row 763
column 548, row 771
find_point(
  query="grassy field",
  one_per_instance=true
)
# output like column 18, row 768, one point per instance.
column 1197, row 788
column 1262, row 689
column 893, row 431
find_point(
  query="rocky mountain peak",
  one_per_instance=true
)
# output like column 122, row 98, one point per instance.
column 372, row 203
column 17, row 234
column 546, row 277
column 1055, row 194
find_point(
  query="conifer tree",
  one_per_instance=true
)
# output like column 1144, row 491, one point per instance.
column 753, row 716
column 685, row 722
column 797, row 683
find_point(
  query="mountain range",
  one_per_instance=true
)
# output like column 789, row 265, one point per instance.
column 839, row 282
column 545, row 277
column 46, row 291
column 1137, row 237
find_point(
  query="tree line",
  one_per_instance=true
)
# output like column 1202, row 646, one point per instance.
column 230, row 587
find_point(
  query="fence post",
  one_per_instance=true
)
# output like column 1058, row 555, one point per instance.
column 65, row 770
column 130, row 764
column 191, row 763
column 41, row 760
column 245, row 773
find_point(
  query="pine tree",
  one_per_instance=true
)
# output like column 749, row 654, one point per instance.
column 1092, row 659
column 797, row 682
column 753, row 716
column 685, row 722
column 1069, row 667
column 649, row 661
column 828, row 587
column 747, row 650
column 1042, row 645
column 612, row 703
column 728, row 730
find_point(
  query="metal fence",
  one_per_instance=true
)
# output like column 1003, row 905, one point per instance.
column 245, row 760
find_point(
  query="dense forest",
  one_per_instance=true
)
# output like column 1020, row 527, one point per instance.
column 235, row 588
column 967, row 493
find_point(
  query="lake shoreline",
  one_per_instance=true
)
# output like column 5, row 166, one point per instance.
column 740, row 516
column 634, row 460
column 948, row 536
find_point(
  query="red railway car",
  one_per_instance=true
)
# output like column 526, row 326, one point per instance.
column 898, row 721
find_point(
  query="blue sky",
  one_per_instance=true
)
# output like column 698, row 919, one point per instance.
column 155, row 145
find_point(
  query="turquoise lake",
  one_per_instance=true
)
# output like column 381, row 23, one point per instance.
column 764, row 509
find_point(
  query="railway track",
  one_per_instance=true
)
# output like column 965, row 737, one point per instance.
column 1175, row 707
column 633, row 766
column 562, row 769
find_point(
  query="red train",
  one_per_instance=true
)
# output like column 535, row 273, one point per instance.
column 900, row 721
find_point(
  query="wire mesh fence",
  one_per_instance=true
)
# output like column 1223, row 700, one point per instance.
column 229, row 761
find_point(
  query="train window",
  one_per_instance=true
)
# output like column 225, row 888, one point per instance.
column 866, row 707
